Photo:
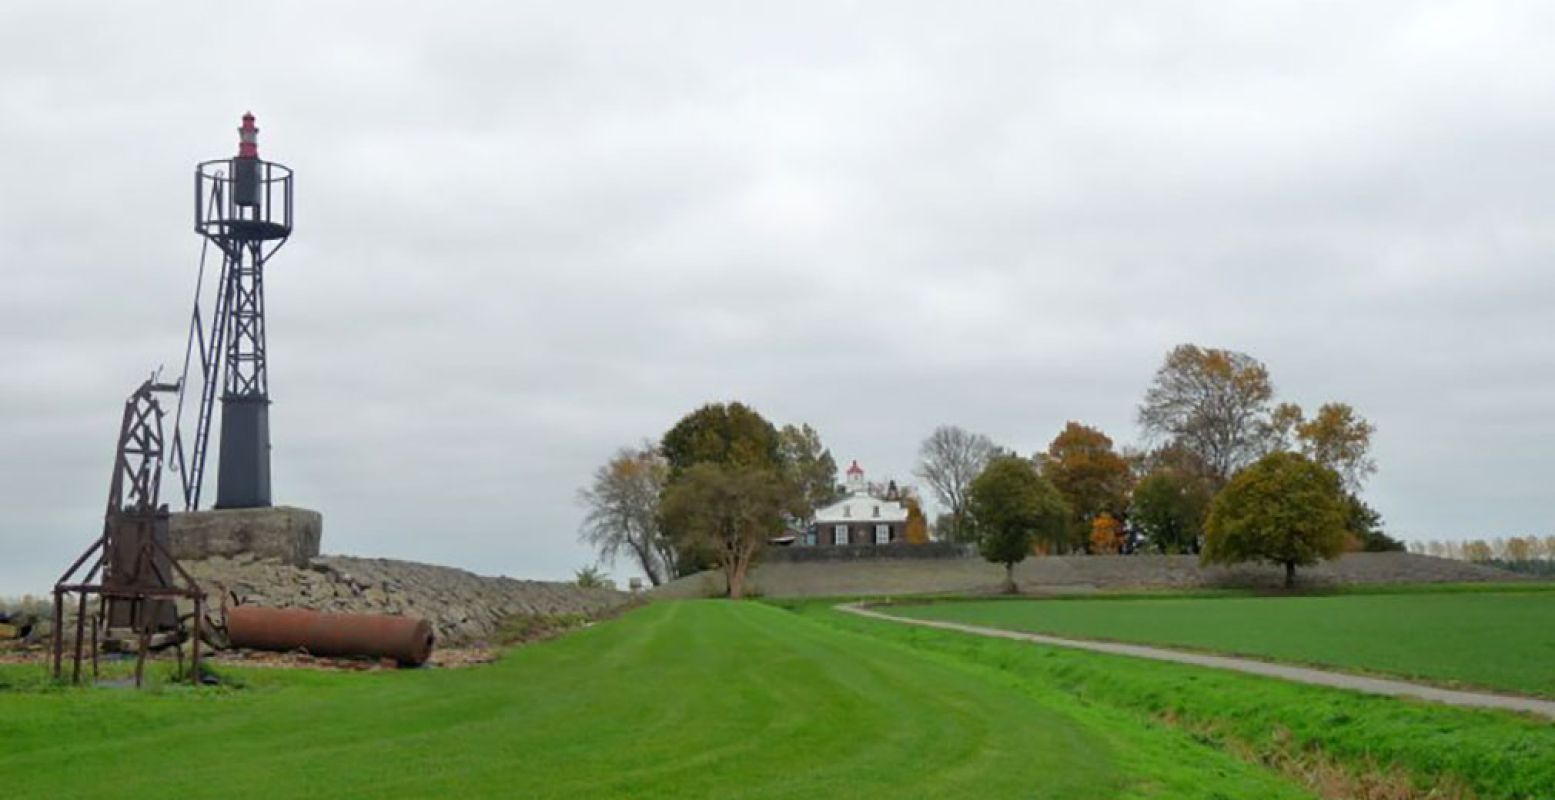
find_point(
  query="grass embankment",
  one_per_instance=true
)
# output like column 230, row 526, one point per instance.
column 1346, row 744
column 1501, row 640
column 692, row 699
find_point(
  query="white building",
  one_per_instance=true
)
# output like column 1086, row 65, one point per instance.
column 858, row 518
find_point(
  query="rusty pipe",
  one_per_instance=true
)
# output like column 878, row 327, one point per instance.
column 407, row 640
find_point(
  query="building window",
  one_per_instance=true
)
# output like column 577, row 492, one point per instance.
column 877, row 511
column 847, row 511
column 882, row 534
column 809, row 538
column 840, row 535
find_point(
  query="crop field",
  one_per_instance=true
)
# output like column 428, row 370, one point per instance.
column 686, row 699
column 1500, row 640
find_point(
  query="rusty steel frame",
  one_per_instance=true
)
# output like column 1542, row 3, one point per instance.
column 133, row 499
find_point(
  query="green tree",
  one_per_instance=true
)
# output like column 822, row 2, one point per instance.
column 1340, row 439
column 1168, row 509
column 1284, row 509
column 1365, row 525
column 727, row 434
column 1093, row 478
column 810, row 465
column 728, row 512
column 732, row 434
column 1013, row 507
column 1212, row 403
column 591, row 577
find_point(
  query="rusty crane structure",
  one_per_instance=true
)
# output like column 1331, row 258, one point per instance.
column 127, row 582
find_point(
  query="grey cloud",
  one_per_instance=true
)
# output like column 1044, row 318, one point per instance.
column 530, row 233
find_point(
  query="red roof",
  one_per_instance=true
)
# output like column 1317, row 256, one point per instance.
column 855, row 469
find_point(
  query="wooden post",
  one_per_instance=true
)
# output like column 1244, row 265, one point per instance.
column 75, row 669
column 59, row 633
column 194, row 651
column 145, row 641
column 95, row 640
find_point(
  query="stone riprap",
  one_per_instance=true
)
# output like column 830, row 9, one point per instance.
column 463, row 607
column 290, row 535
column 1075, row 574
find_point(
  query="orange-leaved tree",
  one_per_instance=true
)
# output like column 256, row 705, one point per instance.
column 1106, row 535
column 917, row 523
column 1093, row 478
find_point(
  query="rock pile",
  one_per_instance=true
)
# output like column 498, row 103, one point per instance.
column 463, row 607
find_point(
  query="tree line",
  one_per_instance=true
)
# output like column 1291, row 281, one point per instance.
column 1518, row 553
column 1226, row 472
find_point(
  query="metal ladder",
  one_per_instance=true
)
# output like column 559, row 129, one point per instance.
column 191, row 471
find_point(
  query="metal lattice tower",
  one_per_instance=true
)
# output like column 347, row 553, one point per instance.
column 243, row 206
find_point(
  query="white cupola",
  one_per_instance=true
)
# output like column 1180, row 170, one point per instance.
column 855, row 482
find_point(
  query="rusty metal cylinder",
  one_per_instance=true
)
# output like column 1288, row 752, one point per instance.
column 407, row 640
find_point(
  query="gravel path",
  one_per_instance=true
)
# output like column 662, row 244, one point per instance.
column 1316, row 677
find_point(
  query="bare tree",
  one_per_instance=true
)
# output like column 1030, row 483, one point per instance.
column 948, row 461
column 1213, row 404
column 623, row 512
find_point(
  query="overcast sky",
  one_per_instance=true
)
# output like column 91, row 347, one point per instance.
column 529, row 233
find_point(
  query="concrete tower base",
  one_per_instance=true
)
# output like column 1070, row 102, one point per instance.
column 289, row 534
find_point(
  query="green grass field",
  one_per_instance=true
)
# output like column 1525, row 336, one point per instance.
column 1500, row 640
column 1343, row 743
column 686, row 699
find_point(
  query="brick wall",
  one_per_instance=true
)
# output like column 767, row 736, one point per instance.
column 859, row 532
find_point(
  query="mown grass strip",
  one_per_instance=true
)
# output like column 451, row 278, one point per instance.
column 1444, row 752
column 682, row 700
